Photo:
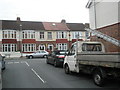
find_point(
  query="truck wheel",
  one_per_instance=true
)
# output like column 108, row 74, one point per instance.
column 67, row 70
column 98, row 78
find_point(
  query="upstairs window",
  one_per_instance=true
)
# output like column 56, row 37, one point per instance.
column 28, row 34
column 76, row 35
column 41, row 35
column 9, row 34
column 49, row 35
column 61, row 35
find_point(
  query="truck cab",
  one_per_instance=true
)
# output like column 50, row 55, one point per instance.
column 71, row 60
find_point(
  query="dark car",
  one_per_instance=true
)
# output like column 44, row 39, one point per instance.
column 2, row 61
column 56, row 58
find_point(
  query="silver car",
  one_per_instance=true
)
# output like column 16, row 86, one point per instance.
column 37, row 54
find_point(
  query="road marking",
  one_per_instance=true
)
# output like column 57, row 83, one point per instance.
column 16, row 62
column 10, row 63
column 27, row 64
column 38, row 76
column 22, row 61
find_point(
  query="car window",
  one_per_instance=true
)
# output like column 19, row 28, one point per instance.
column 43, row 52
column 61, row 52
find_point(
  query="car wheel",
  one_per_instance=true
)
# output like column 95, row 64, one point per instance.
column 44, row 56
column 67, row 70
column 98, row 78
column 3, row 68
column 30, row 57
column 55, row 63
column 47, row 61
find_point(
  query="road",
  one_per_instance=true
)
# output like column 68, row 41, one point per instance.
column 35, row 73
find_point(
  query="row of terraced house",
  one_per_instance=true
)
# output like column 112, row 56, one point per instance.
column 30, row 36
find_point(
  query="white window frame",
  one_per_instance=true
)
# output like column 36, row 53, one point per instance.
column 75, row 35
column 42, row 35
column 62, row 46
column 9, row 47
column 49, row 34
column 9, row 34
column 28, row 34
column 28, row 47
column 61, row 35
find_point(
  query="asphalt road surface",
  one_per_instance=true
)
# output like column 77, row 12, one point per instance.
column 35, row 73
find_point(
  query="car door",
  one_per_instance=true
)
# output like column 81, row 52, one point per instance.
column 49, row 58
column 36, row 54
column 71, row 60
column 53, row 57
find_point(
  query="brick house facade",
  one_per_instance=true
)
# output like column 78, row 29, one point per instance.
column 30, row 36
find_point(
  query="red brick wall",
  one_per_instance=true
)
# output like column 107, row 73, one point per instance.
column 113, row 31
column 9, row 41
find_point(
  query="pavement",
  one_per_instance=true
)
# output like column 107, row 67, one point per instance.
column 13, row 55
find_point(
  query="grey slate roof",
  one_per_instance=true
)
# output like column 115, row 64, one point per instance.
column 26, row 25
column 76, row 26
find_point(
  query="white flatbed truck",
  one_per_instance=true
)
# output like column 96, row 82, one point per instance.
column 90, row 57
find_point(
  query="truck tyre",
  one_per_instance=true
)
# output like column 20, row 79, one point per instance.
column 67, row 70
column 98, row 78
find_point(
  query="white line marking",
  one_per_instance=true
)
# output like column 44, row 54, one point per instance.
column 38, row 76
column 10, row 62
column 16, row 62
column 27, row 64
column 22, row 61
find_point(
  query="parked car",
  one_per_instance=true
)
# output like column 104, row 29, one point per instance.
column 56, row 58
column 37, row 54
column 2, row 61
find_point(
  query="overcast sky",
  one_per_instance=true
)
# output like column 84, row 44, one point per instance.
column 72, row 11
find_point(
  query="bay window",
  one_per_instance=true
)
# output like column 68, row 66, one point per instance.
column 9, row 47
column 9, row 34
column 28, row 34
column 61, row 46
column 28, row 47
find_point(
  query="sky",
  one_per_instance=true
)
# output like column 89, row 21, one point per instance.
column 73, row 11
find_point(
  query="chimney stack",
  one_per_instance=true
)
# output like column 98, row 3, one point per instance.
column 63, row 21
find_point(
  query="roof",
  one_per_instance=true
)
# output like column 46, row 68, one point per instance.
column 76, row 26
column 55, row 26
column 26, row 25
column 31, row 25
